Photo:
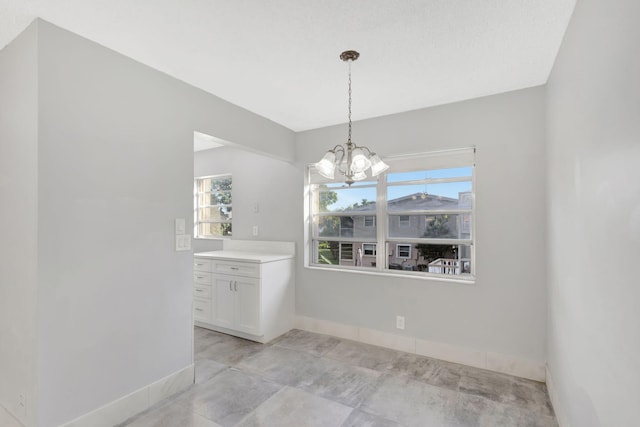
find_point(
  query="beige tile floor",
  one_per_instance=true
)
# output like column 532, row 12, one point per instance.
column 306, row 379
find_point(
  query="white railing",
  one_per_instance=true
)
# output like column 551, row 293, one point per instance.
column 449, row 266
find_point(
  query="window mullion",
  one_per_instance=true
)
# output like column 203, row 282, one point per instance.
column 382, row 223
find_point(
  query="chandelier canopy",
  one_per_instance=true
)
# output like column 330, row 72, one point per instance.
column 351, row 161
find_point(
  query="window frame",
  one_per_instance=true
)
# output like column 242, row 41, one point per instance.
column 398, row 245
column 383, row 242
column 373, row 221
column 375, row 249
column 197, row 207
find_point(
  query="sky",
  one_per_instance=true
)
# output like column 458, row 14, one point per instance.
column 348, row 196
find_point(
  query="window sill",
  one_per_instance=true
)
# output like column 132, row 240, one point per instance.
column 212, row 238
column 470, row 280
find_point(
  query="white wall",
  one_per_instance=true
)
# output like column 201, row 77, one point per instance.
column 271, row 183
column 18, row 224
column 505, row 310
column 99, row 175
column 594, row 217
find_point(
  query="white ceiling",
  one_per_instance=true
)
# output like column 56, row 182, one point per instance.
column 279, row 58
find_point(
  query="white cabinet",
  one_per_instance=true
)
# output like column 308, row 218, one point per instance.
column 237, row 303
column 252, row 298
column 202, row 290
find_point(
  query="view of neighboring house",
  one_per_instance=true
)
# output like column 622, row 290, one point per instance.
column 420, row 215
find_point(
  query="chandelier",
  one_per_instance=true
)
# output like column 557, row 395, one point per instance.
column 350, row 160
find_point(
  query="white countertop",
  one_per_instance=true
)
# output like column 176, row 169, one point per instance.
column 257, row 257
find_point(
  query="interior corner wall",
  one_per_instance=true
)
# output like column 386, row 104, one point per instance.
column 115, row 170
column 18, row 225
column 594, row 217
column 270, row 183
column 505, row 310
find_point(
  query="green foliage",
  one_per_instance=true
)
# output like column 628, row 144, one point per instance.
column 433, row 252
column 438, row 227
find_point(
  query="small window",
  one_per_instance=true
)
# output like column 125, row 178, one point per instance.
column 405, row 220
column 212, row 205
column 369, row 221
column 403, row 251
column 346, row 251
column 369, row 249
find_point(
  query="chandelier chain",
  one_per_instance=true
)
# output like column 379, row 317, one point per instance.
column 349, row 139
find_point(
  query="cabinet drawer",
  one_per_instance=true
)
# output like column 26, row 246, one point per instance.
column 247, row 269
column 202, row 310
column 201, row 264
column 202, row 291
column 202, row 277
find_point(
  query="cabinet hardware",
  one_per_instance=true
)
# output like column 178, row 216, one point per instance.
column 230, row 282
column 235, row 285
column 198, row 309
column 235, row 268
column 198, row 290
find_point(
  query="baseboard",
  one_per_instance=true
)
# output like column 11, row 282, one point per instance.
column 561, row 417
column 133, row 403
column 497, row 362
column 7, row 419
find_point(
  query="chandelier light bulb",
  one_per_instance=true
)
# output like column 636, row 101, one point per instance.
column 359, row 161
column 377, row 165
column 327, row 166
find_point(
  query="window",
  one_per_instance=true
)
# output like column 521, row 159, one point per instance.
column 346, row 251
column 403, row 251
column 415, row 219
column 212, row 206
column 369, row 249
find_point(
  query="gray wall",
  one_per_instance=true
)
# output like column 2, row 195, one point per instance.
column 114, row 167
column 257, row 178
column 505, row 310
column 594, row 217
column 18, row 223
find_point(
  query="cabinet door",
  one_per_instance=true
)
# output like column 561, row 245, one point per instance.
column 223, row 301
column 248, row 308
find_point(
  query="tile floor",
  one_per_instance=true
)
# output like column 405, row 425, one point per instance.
column 306, row 379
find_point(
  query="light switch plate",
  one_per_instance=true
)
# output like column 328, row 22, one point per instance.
column 180, row 225
column 183, row 242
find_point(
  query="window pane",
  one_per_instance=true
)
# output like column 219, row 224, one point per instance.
column 436, row 226
column 343, row 226
column 222, row 213
column 341, row 253
column 327, row 252
column 214, row 230
column 208, row 185
column 431, row 174
column 445, row 196
column 212, row 199
column 439, row 259
column 345, row 199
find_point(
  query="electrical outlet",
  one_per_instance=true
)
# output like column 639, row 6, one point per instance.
column 400, row 322
column 255, row 230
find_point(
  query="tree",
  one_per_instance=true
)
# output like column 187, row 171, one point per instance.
column 328, row 225
column 438, row 227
